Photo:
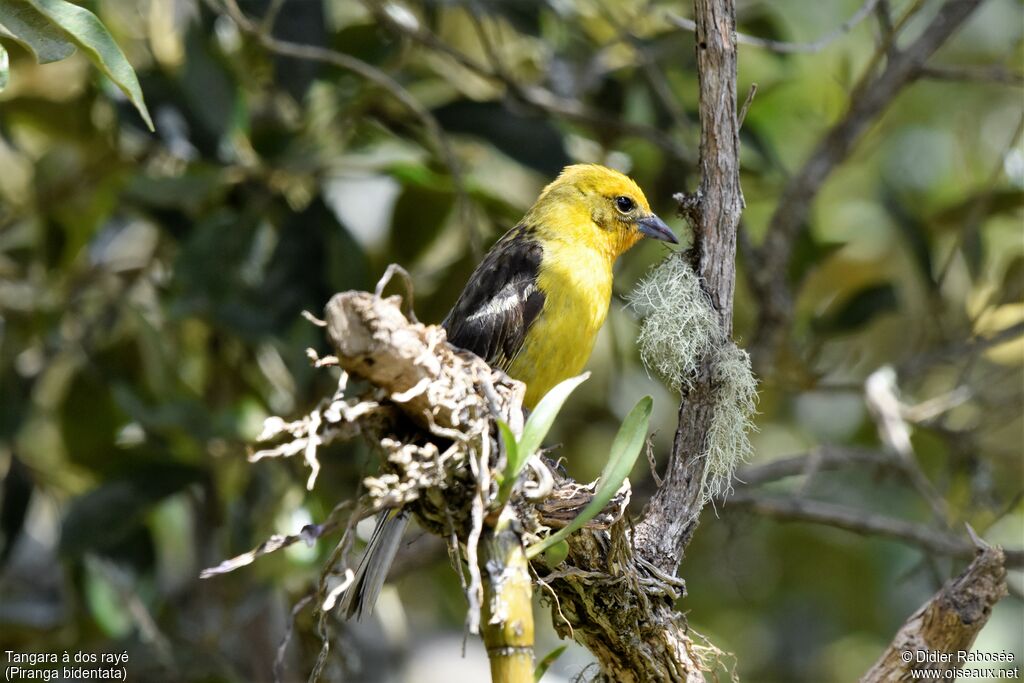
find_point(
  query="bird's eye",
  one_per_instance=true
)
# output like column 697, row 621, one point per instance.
column 625, row 204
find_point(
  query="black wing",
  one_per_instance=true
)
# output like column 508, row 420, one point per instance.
column 501, row 300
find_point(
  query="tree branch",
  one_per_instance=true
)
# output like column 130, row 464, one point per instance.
column 795, row 509
column 996, row 74
column 822, row 458
column 714, row 210
column 533, row 96
column 962, row 349
column 945, row 625
column 869, row 99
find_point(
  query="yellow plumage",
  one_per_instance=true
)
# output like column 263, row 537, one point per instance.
column 581, row 222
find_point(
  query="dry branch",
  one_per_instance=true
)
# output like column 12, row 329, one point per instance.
column 435, row 384
column 937, row 635
column 714, row 211
column 927, row 538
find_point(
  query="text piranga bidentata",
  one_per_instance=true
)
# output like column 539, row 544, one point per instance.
column 534, row 305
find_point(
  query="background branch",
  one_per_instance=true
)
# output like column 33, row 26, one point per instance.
column 783, row 47
column 868, row 100
column 795, row 509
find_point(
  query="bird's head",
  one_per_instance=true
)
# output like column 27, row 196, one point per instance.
column 597, row 206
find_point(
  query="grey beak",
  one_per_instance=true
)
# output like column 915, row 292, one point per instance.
column 655, row 228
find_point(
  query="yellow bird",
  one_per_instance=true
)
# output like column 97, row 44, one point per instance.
column 535, row 303
column 534, row 306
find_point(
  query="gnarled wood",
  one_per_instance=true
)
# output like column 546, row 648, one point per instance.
column 935, row 636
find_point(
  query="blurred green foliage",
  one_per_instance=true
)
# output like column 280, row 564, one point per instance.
column 151, row 286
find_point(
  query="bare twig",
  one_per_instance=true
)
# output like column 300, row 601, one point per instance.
column 785, row 47
column 746, row 105
column 996, row 74
column 307, row 534
column 824, row 458
column 282, row 648
column 652, row 462
column 962, row 349
column 979, row 207
column 927, row 538
column 652, row 71
column 881, row 394
column 883, row 13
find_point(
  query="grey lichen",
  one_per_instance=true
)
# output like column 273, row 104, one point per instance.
column 679, row 330
column 735, row 402
column 679, row 324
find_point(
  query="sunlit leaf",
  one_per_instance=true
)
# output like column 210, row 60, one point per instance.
column 5, row 68
column 105, row 601
column 86, row 31
column 25, row 24
column 625, row 448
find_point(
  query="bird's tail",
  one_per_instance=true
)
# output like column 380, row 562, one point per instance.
column 373, row 568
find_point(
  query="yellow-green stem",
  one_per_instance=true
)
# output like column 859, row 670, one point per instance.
column 508, row 607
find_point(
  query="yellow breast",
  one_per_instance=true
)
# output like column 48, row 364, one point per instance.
column 577, row 284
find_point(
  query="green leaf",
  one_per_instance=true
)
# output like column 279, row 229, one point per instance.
column 513, row 464
column 994, row 202
column 914, row 231
column 5, row 68
column 556, row 554
column 88, row 32
column 543, row 416
column 105, row 601
column 544, row 664
column 858, row 309
column 417, row 220
column 1012, row 289
column 25, row 24
column 625, row 449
